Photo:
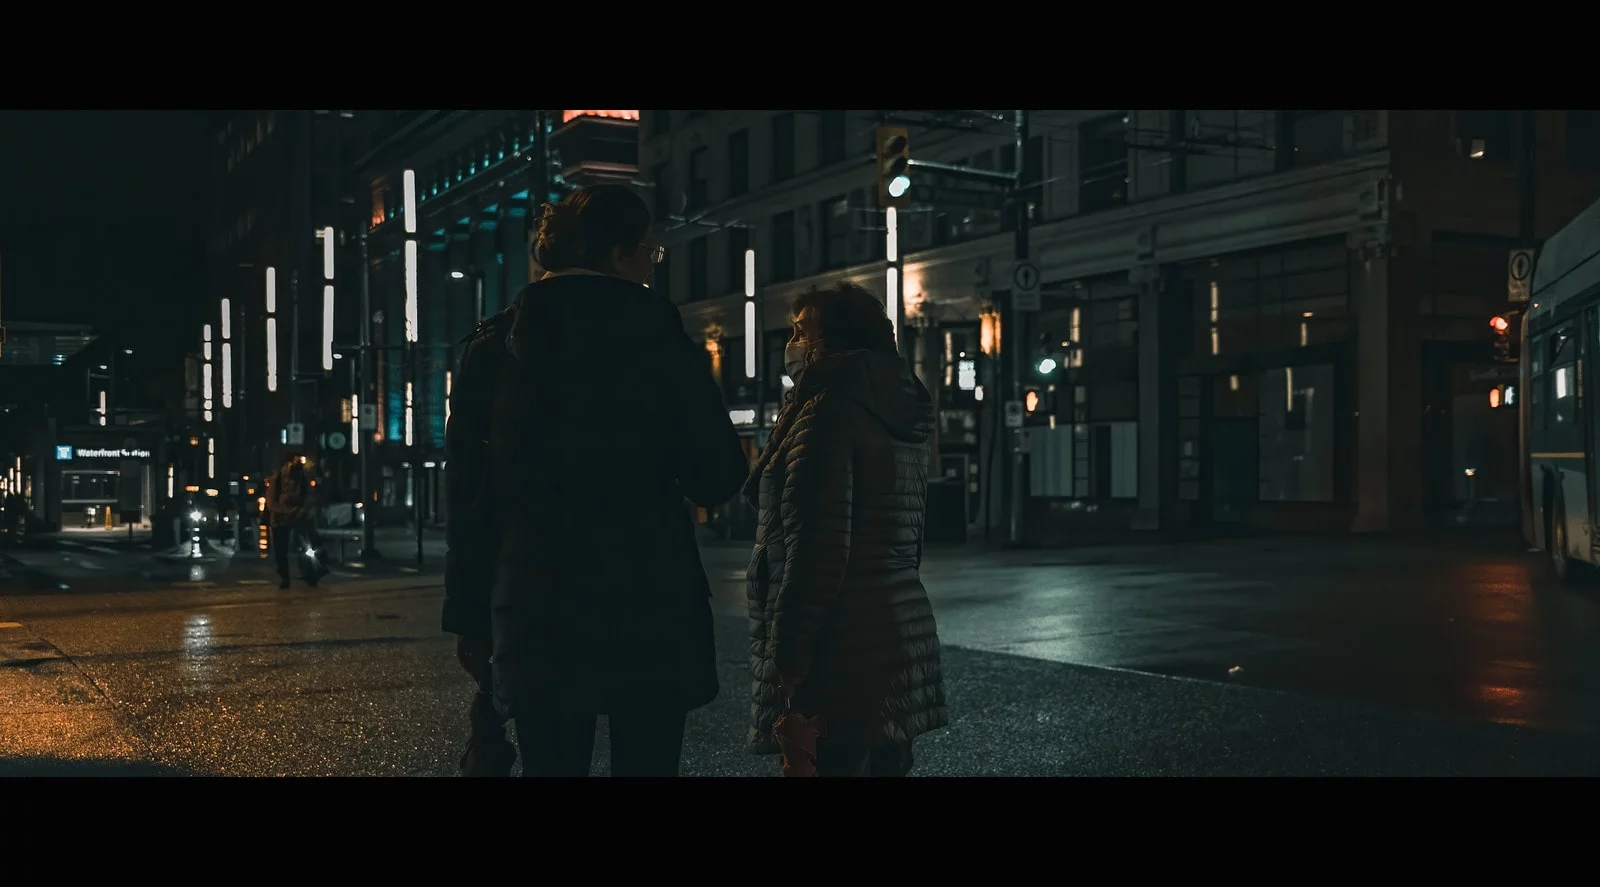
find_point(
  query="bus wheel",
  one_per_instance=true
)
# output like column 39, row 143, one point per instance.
column 1560, row 564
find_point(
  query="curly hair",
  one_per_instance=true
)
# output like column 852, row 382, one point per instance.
column 848, row 318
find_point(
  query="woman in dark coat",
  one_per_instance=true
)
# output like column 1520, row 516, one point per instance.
column 840, row 625
column 604, row 419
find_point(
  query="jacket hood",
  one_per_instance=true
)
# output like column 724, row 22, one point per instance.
column 883, row 384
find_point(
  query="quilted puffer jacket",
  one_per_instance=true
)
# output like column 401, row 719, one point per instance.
column 835, row 597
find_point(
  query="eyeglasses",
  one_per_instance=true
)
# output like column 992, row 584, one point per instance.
column 658, row 254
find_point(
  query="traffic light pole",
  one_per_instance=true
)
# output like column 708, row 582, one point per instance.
column 369, row 550
column 1013, row 327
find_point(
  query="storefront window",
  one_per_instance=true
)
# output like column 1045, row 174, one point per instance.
column 1297, row 434
column 1098, row 462
column 88, row 486
column 1283, row 299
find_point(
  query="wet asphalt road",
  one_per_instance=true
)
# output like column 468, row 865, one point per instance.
column 1447, row 656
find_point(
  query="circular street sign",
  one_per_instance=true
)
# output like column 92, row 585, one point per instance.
column 336, row 440
column 1025, row 277
column 1521, row 266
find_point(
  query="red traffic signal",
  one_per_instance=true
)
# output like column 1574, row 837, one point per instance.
column 1499, row 324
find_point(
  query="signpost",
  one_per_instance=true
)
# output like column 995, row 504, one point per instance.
column 1025, row 285
column 296, row 434
column 1519, row 275
column 1013, row 414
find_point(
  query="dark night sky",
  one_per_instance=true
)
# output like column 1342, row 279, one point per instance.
column 103, row 221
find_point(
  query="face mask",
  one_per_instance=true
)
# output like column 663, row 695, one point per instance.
column 794, row 360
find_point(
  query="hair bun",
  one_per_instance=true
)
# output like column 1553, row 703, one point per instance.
column 559, row 244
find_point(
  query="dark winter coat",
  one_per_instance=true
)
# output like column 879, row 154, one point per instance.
column 472, row 534
column 836, row 601
column 606, row 417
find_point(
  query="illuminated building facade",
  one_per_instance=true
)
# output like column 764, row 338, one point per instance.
column 277, row 180
column 1270, row 318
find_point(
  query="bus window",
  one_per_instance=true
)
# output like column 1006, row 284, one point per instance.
column 1564, row 401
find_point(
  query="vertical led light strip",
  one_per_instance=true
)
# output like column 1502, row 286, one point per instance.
column 327, row 327
column 102, row 406
column 227, row 375
column 211, row 458
column 447, row 398
column 355, row 424
column 409, row 180
column 327, row 298
column 409, row 429
column 227, row 353
column 171, row 480
column 410, row 184
column 205, row 352
column 327, row 253
column 892, row 250
column 411, row 291
column 750, row 337
column 272, row 329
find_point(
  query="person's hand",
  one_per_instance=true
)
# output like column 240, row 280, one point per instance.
column 473, row 652
column 789, row 687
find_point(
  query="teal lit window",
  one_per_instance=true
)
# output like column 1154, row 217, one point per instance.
column 516, row 142
column 472, row 166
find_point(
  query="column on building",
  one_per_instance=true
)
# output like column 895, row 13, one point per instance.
column 1163, row 303
column 1389, row 378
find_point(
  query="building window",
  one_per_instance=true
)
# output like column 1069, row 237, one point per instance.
column 699, row 178
column 1483, row 135
column 783, row 246
column 1583, row 139
column 1103, row 172
column 662, row 176
column 836, row 230
column 831, row 138
column 699, row 270
column 1309, row 137
column 738, row 243
column 1296, row 434
column 783, row 146
column 739, row 163
column 1273, row 301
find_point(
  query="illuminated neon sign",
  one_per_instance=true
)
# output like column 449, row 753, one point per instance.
column 569, row 116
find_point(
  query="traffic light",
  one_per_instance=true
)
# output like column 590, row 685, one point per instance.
column 1505, row 349
column 894, row 166
column 1050, row 355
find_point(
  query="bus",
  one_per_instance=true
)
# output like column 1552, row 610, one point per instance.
column 1560, row 419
